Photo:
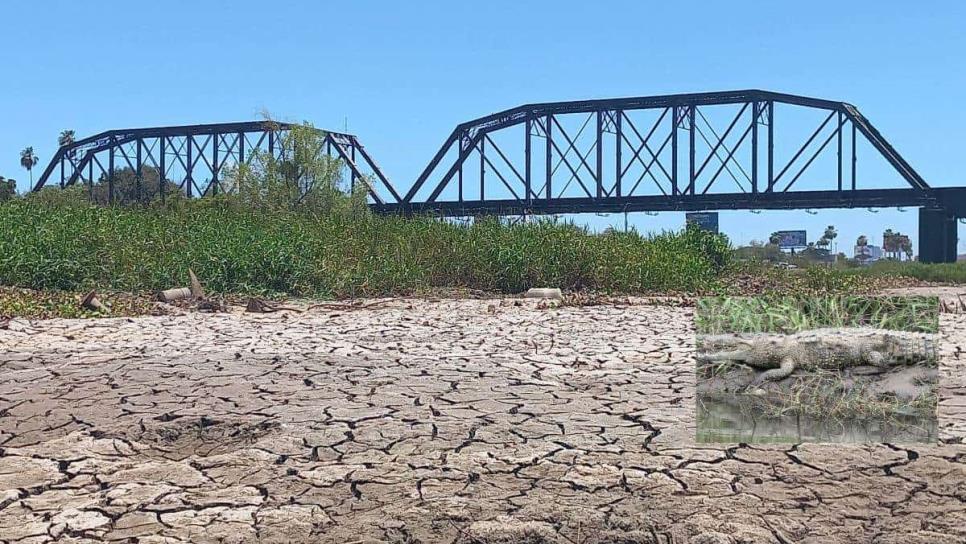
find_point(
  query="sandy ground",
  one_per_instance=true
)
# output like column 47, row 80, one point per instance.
column 468, row 421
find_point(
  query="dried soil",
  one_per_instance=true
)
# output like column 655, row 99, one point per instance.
column 471, row 421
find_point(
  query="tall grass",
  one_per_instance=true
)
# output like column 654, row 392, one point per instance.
column 72, row 246
column 790, row 314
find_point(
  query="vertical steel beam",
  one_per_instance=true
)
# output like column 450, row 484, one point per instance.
column 189, row 181
column 619, row 132
column 527, row 149
column 692, row 183
column 548, row 134
column 459, row 172
column 90, row 179
column 838, row 155
column 771, row 145
column 755, row 112
column 163, row 174
column 61, row 173
column 482, row 150
column 854, row 156
column 675, row 111
column 241, row 148
column 937, row 236
column 271, row 142
column 214, row 164
column 599, row 176
column 138, row 175
column 110, row 174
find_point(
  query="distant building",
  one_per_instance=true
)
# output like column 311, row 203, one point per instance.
column 867, row 254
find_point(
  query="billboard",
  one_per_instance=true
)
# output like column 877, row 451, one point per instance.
column 704, row 220
column 791, row 239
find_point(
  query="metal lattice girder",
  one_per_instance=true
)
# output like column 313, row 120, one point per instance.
column 950, row 199
column 663, row 154
column 194, row 157
column 659, row 156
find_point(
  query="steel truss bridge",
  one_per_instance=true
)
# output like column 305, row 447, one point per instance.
column 196, row 157
column 657, row 153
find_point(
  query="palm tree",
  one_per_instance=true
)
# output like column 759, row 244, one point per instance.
column 66, row 138
column 28, row 160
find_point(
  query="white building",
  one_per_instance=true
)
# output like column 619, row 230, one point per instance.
column 867, row 254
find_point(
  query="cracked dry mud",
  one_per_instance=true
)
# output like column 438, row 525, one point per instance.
column 428, row 421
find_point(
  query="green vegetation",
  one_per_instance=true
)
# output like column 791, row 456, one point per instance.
column 938, row 273
column 8, row 189
column 790, row 314
column 31, row 304
column 290, row 226
column 241, row 250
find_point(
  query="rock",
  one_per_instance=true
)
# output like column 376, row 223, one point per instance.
column 545, row 293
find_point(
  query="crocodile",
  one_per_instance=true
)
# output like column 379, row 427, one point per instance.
column 831, row 348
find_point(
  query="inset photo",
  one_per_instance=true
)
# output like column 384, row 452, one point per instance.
column 830, row 369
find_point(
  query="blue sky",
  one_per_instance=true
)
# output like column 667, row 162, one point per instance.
column 403, row 74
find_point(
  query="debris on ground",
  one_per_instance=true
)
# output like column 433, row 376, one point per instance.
column 211, row 305
column 544, row 293
column 261, row 306
column 197, row 291
column 91, row 302
column 352, row 305
column 174, row 294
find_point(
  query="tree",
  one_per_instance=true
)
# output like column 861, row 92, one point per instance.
column 8, row 188
column 28, row 160
column 862, row 241
column 906, row 246
column 298, row 176
column 830, row 233
column 827, row 237
column 774, row 239
column 128, row 189
column 66, row 138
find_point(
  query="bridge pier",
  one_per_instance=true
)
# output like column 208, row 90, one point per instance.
column 937, row 236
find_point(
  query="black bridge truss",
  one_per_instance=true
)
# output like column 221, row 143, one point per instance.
column 194, row 157
column 678, row 157
column 608, row 160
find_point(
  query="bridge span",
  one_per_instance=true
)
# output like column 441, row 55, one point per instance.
column 686, row 152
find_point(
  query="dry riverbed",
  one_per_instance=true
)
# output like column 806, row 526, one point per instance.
column 470, row 421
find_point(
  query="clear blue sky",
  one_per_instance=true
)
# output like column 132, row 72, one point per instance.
column 404, row 73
